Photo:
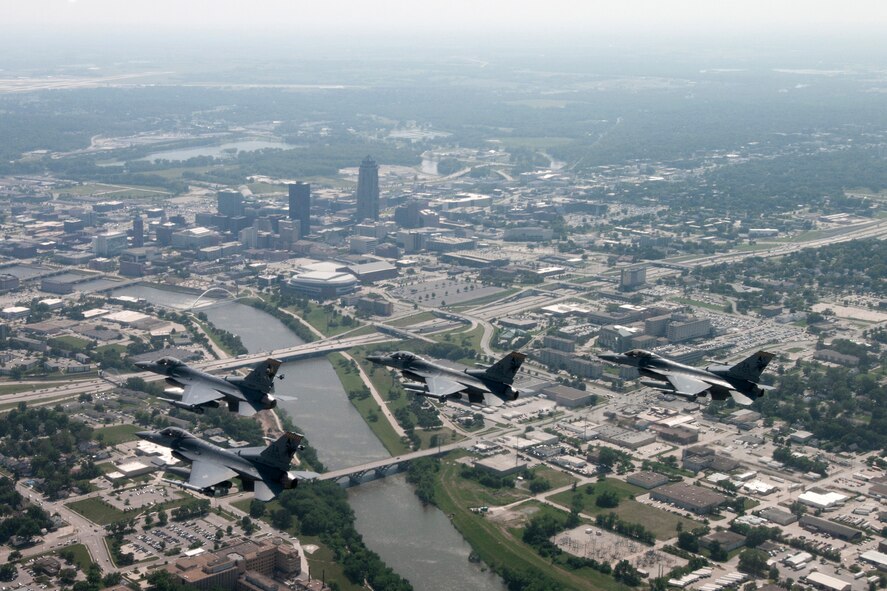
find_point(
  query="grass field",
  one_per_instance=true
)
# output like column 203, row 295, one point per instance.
column 79, row 551
column 15, row 388
column 321, row 319
column 322, row 564
column 121, row 349
column 697, row 303
column 498, row 547
column 368, row 407
column 414, row 319
column 117, row 434
column 467, row 339
column 117, row 191
column 97, row 511
column 69, row 343
column 662, row 523
column 81, row 556
column 210, row 331
column 484, row 299
column 102, row 513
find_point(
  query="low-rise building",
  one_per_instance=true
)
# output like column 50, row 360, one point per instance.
column 822, row 500
column 827, row 582
column 687, row 496
column 502, row 464
column 831, row 528
column 647, row 480
column 728, row 540
column 567, row 396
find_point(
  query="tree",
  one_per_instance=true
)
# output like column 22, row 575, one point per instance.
column 687, row 541
column 8, row 572
column 718, row 554
column 753, row 562
column 282, row 519
column 607, row 499
column 256, row 509
column 627, row 574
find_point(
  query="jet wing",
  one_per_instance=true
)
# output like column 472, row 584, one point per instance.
column 440, row 387
column 205, row 474
column 197, row 394
column 685, row 385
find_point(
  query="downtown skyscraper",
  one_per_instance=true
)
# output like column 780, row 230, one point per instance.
column 300, row 206
column 368, row 190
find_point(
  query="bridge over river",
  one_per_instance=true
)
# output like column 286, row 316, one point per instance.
column 379, row 468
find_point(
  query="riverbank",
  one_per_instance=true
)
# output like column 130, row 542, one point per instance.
column 366, row 405
column 499, row 545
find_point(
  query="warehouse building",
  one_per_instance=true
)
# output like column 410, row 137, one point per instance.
column 831, row 528
column 778, row 516
column 827, row 582
column 502, row 464
column 647, row 480
column 569, row 397
column 687, row 496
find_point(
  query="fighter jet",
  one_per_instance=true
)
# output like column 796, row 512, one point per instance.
column 199, row 390
column 739, row 382
column 437, row 381
column 264, row 470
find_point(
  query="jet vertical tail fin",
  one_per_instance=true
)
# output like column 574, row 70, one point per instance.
column 280, row 453
column 261, row 378
column 505, row 369
column 752, row 367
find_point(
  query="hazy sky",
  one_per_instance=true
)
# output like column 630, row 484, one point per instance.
column 450, row 16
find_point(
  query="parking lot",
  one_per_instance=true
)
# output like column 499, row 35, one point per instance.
column 140, row 497
column 177, row 535
column 435, row 293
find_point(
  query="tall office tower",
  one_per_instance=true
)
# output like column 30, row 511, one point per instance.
column 368, row 190
column 138, row 231
column 230, row 203
column 300, row 206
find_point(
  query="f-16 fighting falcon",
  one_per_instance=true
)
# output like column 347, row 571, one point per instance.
column 441, row 382
column 264, row 470
column 244, row 395
column 739, row 382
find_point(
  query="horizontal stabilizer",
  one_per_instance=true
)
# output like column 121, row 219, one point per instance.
column 740, row 398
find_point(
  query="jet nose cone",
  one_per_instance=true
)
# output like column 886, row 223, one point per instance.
column 375, row 358
column 145, row 435
column 611, row 357
column 143, row 364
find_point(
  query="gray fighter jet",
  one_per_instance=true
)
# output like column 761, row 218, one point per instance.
column 199, row 390
column 739, row 382
column 264, row 470
column 438, row 381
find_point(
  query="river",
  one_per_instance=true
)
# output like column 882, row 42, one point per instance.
column 418, row 542
column 218, row 150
